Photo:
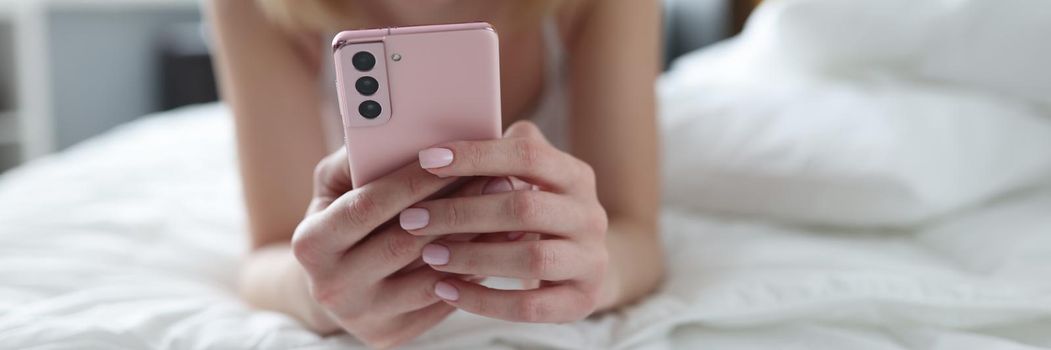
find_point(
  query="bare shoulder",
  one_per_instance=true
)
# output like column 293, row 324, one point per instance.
column 574, row 16
column 245, row 25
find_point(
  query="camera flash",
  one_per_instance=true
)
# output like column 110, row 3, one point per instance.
column 395, row 57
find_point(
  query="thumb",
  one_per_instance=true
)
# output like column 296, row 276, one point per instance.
column 524, row 129
column 332, row 176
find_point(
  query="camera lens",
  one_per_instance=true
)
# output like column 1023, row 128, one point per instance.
column 364, row 61
column 367, row 85
column 370, row 109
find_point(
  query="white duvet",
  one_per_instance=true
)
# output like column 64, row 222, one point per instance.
column 132, row 241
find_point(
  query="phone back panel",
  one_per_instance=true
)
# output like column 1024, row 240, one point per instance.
column 444, row 86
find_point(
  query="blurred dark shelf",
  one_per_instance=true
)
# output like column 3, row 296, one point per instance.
column 186, row 67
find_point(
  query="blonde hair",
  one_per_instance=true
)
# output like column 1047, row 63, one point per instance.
column 333, row 15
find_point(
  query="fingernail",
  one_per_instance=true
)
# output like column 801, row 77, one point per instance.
column 514, row 236
column 446, row 291
column 497, row 185
column 435, row 254
column 435, row 158
column 414, row 218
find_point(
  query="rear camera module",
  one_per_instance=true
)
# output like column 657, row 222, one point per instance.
column 363, row 61
column 367, row 86
column 370, row 109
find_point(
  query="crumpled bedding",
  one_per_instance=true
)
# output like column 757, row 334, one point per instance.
column 132, row 240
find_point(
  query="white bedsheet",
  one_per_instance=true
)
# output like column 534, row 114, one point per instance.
column 132, row 241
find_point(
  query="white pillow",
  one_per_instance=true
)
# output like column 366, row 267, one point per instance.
column 998, row 45
column 748, row 132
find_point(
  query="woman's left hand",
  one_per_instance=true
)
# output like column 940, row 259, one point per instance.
column 569, row 259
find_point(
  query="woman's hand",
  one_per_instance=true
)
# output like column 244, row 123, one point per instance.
column 359, row 265
column 570, row 258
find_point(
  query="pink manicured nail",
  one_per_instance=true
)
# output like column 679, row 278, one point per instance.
column 435, row 158
column 435, row 254
column 514, row 236
column 446, row 291
column 414, row 218
column 498, row 185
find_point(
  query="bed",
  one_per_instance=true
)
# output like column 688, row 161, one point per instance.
column 132, row 240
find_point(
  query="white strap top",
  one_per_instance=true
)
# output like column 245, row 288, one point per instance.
column 552, row 110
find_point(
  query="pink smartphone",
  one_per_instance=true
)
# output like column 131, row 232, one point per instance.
column 402, row 90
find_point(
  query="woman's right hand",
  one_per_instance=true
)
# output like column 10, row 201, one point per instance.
column 360, row 266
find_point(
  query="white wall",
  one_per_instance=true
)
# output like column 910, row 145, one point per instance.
column 104, row 67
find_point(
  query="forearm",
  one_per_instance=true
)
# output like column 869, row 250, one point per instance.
column 636, row 263
column 272, row 279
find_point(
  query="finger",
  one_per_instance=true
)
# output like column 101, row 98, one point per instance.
column 531, row 158
column 495, row 185
column 525, row 129
column 554, row 304
column 480, row 185
column 391, row 249
column 533, row 211
column 409, row 292
column 519, row 184
column 549, row 260
column 332, row 174
column 393, row 332
column 413, row 324
column 323, row 237
column 490, row 237
column 331, row 179
column 488, row 185
column 381, row 254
